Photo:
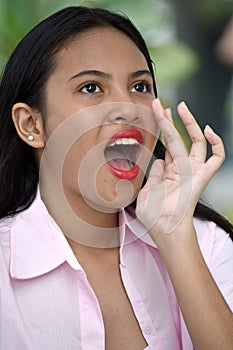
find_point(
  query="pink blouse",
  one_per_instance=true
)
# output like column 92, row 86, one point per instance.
column 46, row 301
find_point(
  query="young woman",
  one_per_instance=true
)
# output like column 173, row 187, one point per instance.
column 83, row 264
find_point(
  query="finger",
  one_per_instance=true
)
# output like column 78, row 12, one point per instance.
column 156, row 177
column 171, row 136
column 168, row 114
column 218, row 152
column 168, row 157
column 156, row 174
column 198, row 149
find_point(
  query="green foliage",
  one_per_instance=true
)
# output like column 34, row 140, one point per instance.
column 214, row 13
column 146, row 14
column 18, row 17
column 174, row 62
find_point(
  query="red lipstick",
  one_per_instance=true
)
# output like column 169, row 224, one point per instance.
column 122, row 153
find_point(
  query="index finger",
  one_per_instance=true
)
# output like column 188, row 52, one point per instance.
column 172, row 138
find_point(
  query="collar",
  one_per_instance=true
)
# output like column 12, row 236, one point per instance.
column 131, row 229
column 37, row 243
column 38, row 246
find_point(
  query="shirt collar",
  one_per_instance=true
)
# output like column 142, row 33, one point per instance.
column 39, row 246
column 132, row 229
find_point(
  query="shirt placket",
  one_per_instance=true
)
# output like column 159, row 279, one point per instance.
column 141, row 314
column 91, row 320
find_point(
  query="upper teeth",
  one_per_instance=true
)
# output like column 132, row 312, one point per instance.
column 124, row 141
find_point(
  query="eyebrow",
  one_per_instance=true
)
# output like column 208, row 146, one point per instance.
column 91, row 72
column 140, row 72
column 107, row 75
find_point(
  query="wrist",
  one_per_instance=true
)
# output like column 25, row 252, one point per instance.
column 181, row 240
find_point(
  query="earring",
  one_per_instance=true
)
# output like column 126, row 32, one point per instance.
column 30, row 138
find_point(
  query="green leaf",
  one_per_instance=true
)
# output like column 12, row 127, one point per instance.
column 174, row 62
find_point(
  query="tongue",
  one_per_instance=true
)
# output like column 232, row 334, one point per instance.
column 120, row 163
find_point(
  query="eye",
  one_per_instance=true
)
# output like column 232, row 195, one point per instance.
column 141, row 87
column 90, row 88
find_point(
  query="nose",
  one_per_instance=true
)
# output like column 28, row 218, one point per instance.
column 123, row 110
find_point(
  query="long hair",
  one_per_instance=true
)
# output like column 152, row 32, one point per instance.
column 24, row 79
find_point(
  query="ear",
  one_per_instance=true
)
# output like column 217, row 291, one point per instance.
column 29, row 125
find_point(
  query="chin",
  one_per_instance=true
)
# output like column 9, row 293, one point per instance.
column 116, row 194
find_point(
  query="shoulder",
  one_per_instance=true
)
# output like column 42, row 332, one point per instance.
column 210, row 233
column 212, row 239
column 217, row 250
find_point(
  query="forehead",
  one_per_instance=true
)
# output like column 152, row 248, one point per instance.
column 101, row 46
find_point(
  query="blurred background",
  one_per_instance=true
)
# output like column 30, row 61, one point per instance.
column 191, row 44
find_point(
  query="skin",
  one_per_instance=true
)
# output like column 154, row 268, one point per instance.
column 179, row 173
column 69, row 85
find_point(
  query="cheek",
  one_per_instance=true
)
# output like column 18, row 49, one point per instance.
column 72, row 163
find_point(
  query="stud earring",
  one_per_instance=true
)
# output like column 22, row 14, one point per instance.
column 30, row 138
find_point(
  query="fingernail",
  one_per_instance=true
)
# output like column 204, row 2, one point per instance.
column 207, row 127
column 183, row 104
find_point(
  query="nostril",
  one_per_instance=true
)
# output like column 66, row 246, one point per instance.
column 125, row 118
column 120, row 118
column 123, row 113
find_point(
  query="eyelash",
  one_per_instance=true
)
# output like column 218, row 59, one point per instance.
column 90, row 83
column 146, row 83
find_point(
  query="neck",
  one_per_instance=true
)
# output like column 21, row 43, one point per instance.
column 80, row 222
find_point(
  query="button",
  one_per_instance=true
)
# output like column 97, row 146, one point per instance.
column 147, row 330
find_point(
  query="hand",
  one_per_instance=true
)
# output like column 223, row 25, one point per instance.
column 175, row 184
column 166, row 205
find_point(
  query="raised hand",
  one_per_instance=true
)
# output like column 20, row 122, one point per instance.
column 175, row 184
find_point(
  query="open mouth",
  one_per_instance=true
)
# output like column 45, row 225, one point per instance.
column 122, row 153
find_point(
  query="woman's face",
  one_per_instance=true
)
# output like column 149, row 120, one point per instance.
column 102, row 80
